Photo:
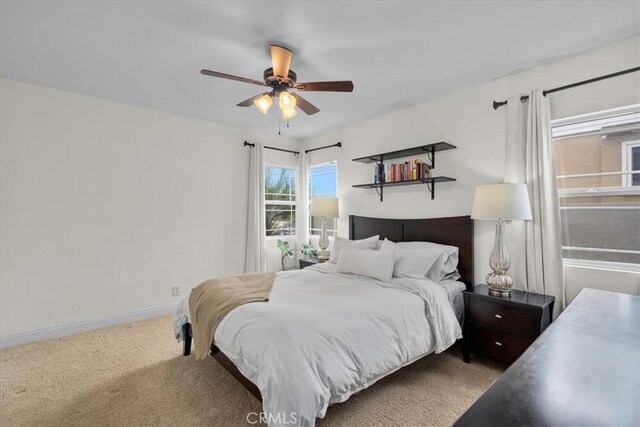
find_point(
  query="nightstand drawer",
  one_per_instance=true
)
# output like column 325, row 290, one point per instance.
column 497, row 344
column 502, row 316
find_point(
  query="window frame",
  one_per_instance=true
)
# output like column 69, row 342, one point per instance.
column 627, row 158
column 330, row 231
column 622, row 190
column 279, row 202
column 616, row 116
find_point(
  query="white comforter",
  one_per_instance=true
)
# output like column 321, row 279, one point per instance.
column 324, row 336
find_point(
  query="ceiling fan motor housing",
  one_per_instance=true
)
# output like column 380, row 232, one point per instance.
column 278, row 85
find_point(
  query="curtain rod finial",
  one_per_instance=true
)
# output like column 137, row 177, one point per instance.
column 498, row 104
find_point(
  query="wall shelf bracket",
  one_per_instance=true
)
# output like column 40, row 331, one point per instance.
column 379, row 192
column 431, row 155
column 431, row 187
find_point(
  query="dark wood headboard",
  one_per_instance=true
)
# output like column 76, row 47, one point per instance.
column 454, row 231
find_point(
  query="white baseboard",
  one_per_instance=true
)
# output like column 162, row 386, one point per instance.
column 89, row 325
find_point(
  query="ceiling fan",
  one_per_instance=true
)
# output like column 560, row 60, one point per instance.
column 280, row 78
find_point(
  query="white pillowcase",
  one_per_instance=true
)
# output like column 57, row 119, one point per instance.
column 447, row 262
column 366, row 262
column 340, row 243
column 410, row 262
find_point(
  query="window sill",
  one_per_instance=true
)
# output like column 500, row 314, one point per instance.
column 602, row 265
column 283, row 237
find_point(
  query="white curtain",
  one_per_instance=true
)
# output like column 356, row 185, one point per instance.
column 256, row 258
column 535, row 246
column 302, row 197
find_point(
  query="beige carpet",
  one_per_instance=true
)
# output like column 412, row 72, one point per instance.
column 135, row 375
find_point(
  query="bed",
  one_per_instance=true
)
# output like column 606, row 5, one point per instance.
column 331, row 334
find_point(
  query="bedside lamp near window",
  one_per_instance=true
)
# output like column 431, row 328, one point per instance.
column 501, row 202
column 325, row 207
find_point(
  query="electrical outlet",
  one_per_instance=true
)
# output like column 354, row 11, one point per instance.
column 175, row 291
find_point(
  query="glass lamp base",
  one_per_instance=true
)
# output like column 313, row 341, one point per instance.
column 323, row 254
column 500, row 284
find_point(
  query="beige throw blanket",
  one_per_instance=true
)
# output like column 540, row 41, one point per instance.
column 212, row 300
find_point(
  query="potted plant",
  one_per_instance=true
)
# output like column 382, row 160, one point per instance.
column 287, row 252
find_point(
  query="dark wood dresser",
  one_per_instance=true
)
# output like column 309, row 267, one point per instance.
column 584, row 370
column 503, row 328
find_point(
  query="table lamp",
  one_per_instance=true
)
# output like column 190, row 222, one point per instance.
column 325, row 207
column 501, row 202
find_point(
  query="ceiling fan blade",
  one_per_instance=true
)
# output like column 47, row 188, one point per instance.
column 231, row 77
column 305, row 105
column 249, row 102
column 340, row 86
column 281, row 59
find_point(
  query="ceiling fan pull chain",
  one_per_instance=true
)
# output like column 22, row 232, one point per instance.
column 287, row 123
column 279, row 125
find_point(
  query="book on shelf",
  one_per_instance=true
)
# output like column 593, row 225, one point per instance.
column 409, row 170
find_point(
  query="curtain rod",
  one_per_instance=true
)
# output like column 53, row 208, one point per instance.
column 498, row 104
column 272, row 148
column 337, row 144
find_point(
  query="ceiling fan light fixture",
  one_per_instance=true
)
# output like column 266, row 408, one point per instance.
column 279, row 79
column 263, row 103
column 287, row 101
column 289, row 114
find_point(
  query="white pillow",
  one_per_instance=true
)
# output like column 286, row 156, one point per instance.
column 339, row 243
column 410, row 262
column 366, row 262
column 447, row 262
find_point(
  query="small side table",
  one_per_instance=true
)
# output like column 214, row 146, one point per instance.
column 503, row 328
column 303, row 263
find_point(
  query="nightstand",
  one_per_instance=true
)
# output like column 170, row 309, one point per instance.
column 503, row 328
column 303, row 263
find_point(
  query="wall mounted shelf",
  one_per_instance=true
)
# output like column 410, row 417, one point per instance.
column 428, row 149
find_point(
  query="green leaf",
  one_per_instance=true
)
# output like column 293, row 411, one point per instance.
column 285, row 250
column 283, row 245
column 308, row 250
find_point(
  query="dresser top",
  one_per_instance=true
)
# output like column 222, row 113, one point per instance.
column 516, row 297
column 583, row 370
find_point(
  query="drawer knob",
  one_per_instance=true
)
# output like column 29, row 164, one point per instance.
column 499, row 344
column 498, row 316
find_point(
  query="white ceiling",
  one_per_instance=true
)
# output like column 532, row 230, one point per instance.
column 397, row 53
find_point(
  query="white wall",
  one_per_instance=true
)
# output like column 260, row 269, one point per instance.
column 466, row 119
column 577, row 278
column 105, row 206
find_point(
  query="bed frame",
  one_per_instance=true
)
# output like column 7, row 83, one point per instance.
column 454, row 231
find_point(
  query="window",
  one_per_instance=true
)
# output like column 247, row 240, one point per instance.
column 631, row 162
column 280, row 200
column 597, row 160
column 323, row 182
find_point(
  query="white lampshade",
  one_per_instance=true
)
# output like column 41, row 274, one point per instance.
column 325, row 206
column 501, row 201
